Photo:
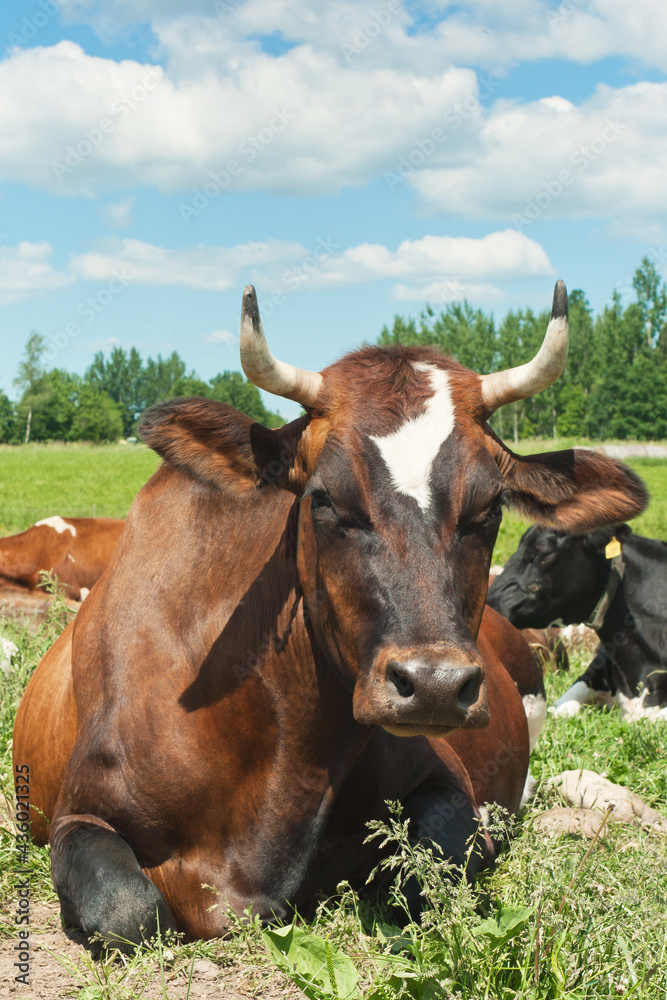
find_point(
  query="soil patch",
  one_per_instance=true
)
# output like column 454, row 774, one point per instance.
column 59, row 967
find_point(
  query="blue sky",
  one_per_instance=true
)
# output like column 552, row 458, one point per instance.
column 353, row 160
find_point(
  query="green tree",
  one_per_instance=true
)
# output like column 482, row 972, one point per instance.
column 121, row 378
column 7, row 419
column 97, row 417
column 403, row 332
column 158, row 377
column 57, row 393
column 652, row 301
column 233, row 388
column 30, row 371
column 190, row 385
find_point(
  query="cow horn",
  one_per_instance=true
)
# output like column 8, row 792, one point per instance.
column 260, row 366
column 500, row 388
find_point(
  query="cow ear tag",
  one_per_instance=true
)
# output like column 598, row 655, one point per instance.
column 613, row 549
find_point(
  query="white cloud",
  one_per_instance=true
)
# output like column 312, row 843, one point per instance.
column 108, row 344
column 76, row 124
column 502, row 255
column 25, row 271
column 485, row 33
column 549, row 158
column 442, row 292
column 219, row 337
column 118, row 214
column 308, row 123
column 287, row 267
column 200, row 267
column 418, row 265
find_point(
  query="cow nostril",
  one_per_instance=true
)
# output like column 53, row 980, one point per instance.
column 403, row 684
column 469, row 693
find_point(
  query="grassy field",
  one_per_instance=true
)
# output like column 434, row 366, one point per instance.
column 79, row 480
column 73, row 480
column 549, row 920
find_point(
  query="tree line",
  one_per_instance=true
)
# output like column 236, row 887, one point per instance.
column 614, row 385
column 615, row 382
column 106, row 403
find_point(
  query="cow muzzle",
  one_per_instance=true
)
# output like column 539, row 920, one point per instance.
column 423, row 692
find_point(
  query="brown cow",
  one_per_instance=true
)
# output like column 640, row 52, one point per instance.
column 76, row 549
column 292, row 632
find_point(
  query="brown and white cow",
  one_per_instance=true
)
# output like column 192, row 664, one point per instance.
column 76, row 549
column 293, row 631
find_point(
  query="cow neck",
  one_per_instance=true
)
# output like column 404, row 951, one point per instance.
column 639, row 588
column 615, row 576
column 314, row 743
column 314, row 705
column 631, row 631
column 318, row 737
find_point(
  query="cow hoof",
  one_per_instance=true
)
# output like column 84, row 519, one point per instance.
column 104, row 893
column 566, row 710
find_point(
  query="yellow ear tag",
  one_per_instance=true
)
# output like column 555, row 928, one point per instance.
column 613, row 549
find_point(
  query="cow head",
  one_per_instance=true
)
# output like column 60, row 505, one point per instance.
column 554, row 575
column 401, row 484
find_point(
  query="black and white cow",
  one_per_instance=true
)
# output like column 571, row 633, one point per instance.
column 616, row 582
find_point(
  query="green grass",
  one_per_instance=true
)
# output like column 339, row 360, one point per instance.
column 546, row 921
column 73, row 480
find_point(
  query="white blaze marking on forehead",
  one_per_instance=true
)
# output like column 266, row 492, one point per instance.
column 410, row 451
column 58, row 524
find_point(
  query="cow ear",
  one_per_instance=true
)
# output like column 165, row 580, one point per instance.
column 577, row 490
column 597, row 541
column 214, row 443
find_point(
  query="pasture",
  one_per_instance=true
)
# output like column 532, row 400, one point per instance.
column 81, row 480
column 74, row 480
column 554, row 918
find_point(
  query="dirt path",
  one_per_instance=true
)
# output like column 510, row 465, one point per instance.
column 51, row 979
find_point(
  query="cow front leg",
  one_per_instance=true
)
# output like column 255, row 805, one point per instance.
column 449, row 820
column 103, row 891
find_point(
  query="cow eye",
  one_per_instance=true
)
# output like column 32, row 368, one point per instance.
column 489, row 519
column 494, row 513
column 319, row 499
